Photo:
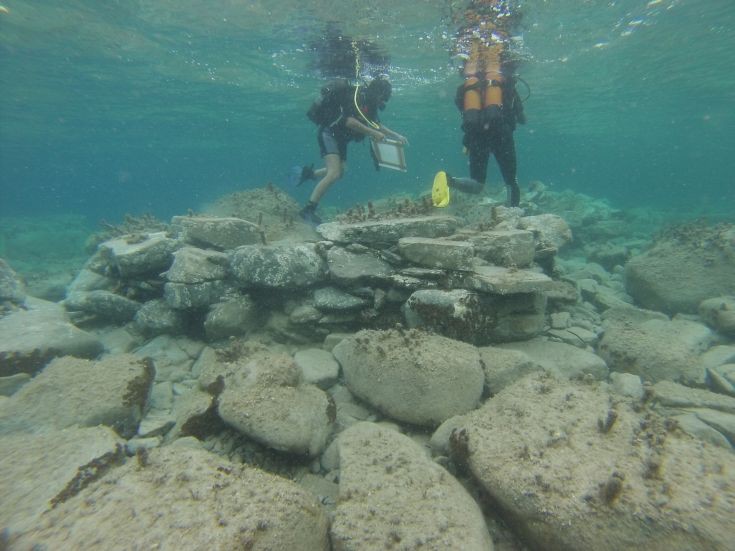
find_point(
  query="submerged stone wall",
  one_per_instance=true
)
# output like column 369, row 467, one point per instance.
column 217, row 277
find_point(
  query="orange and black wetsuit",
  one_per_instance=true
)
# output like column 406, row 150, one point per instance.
column 488, row 100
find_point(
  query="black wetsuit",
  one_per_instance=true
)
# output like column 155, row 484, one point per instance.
column 491, row 131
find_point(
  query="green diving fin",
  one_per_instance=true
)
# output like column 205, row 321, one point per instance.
column 440, row 190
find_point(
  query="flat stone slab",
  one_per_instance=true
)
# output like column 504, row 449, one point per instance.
column 277, row 266
column 505, row 281
column 671, row 394
column 135, row 255
column 354, row 268
column 563, row 360
column 333, row 299
column 437, row 253
column 218, row 232
column 389, row 231
column 504, row 247
column 194, row 265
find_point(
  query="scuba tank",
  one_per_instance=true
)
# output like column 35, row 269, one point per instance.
column 482, row 99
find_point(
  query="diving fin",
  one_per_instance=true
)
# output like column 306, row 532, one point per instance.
column 440, row 190
column 299, row 174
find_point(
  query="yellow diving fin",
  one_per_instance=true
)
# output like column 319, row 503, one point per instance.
column 440, row 190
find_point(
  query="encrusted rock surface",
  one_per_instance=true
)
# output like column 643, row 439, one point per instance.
column 389, row 231
column 72, row 391
column 31, row 337
column 412, row 376
column 582, row 470
column 218, row 232
column 186, row 499
column 391, row 495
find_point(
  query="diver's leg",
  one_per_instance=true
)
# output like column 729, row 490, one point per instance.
column 332, row 172
column 479, row 151
column 334, row 151
column 505, row 155
column 467, row 185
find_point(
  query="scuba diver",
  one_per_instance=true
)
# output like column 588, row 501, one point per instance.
column 345, row 112
column 488, row 99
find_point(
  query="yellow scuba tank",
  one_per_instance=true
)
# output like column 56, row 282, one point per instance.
column 494, row 76
column 472, row 94
column 480, row 94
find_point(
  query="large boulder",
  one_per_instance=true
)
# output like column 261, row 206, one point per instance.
column 236, row 315
column 186, row 499
column 264, row 398
column 477, row 318
column 196, row 279
column 719, row 313
column 654, row 349
column 193, row 296
column 70, row 391
column 156, row 317
column 573, row 467
column 412, row 376
column 29, row 338
column 101, row 305
column 681, row 271
column 392, row 495
column 193, row 265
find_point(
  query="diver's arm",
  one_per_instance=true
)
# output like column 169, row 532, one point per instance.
column 356, row 126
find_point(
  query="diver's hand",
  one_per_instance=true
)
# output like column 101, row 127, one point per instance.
column 378, row 136
column 402, row 139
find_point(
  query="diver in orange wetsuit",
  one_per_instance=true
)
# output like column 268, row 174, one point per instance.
column 488, row 100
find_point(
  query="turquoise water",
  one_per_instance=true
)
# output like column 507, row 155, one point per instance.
column 163, row 105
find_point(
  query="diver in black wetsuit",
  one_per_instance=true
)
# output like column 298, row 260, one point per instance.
column 488, row 100
column 348, row 109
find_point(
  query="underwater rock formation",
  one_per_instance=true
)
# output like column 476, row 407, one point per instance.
column 584, row 469
column 392, row 495
column 324, row 356
column 70, row 391
column 655, row 348
column 186, row 498
column 11, row 287
column 29, row 338
column 412, row 376
column 685, row 266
